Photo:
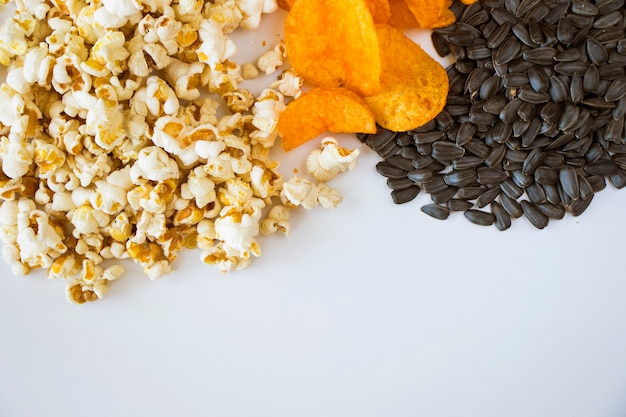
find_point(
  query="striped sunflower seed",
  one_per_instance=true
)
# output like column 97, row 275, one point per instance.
column 579, row 205
column 479, row 217
column 487, row 197
column 511, row 206
column 568, row 179
column 552, row 211
column 436, row 211
column 503, row 219
column 405, row 195
column 534, row 215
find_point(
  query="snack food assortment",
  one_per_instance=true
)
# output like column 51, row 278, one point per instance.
column 124, row 134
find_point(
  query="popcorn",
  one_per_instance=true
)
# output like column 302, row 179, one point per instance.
column 252, row 10
column 277, row 220
column 324, row 164
column 124, row 135
column 154, row 164
column 185, row 78
column 38, row 240
column 272, row 59
column 215, row 47
column 298, row 191
column 160, row 97
column 289, row 84
column 267, row 109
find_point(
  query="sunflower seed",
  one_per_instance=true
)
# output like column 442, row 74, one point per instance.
column 536, row 193
column 389, row 171
column 399, row 183
column 540, row 56
column 479, row 217
column 559, row 89
column 538, row 78
column 472, row 192
column 545, row 175
column 400, row 162
column 508, row 114
column 467, row 161
column 614, row 130
column 502, row 217
column 576, row 90
column 511, row 206
column 609, row 19
column 478, row 52
column 531, row 133
column 534, row 215
column 499, row 35
column 596, row 52
column 526, row 93
column 490, row 176
column 436, row 185
column 569, row 181
column 507, row 51
column 617, row 90
column 405, row 195
column 487, row 197
column 597, row 182
column 579, row 205
column 421, row 175
column 520, row 179
column 511, row 5
column 533, row 161
column 490, row 87
column 380, row 139
column 552, row 193
column 606, row 6
column 564, row 30
column 525, row 6
column 619, row 110
column 461, row 178
column 444, row 195
column 501, row 15
column 569, row 117
column 496, row 155
column 436, row 211
column 509, row 188
column 611, row 71
column 569, row 68
column 552, row 211
column 608, row 35
column 604, row 167
column 618, row 179
column 591, row 79
column 569, row 55
column 457, row 204
column 586, row 191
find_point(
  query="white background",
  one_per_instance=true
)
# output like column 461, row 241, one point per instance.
column 368, row 310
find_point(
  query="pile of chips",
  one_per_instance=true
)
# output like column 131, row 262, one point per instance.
column 364, row 70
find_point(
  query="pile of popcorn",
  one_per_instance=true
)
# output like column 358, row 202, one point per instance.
column 124, row 135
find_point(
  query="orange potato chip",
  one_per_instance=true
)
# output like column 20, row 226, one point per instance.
column 379, row 9
column 333, row 43
column 428, row 13
column 401, row 16
column 320, row 110
column 446, row 18
column 414, row 86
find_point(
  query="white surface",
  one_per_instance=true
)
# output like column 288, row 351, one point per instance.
column 368, row 310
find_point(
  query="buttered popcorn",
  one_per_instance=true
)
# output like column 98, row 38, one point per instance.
column 125, row 134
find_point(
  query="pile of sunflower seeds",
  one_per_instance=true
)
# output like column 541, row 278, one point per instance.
column 534, row 120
